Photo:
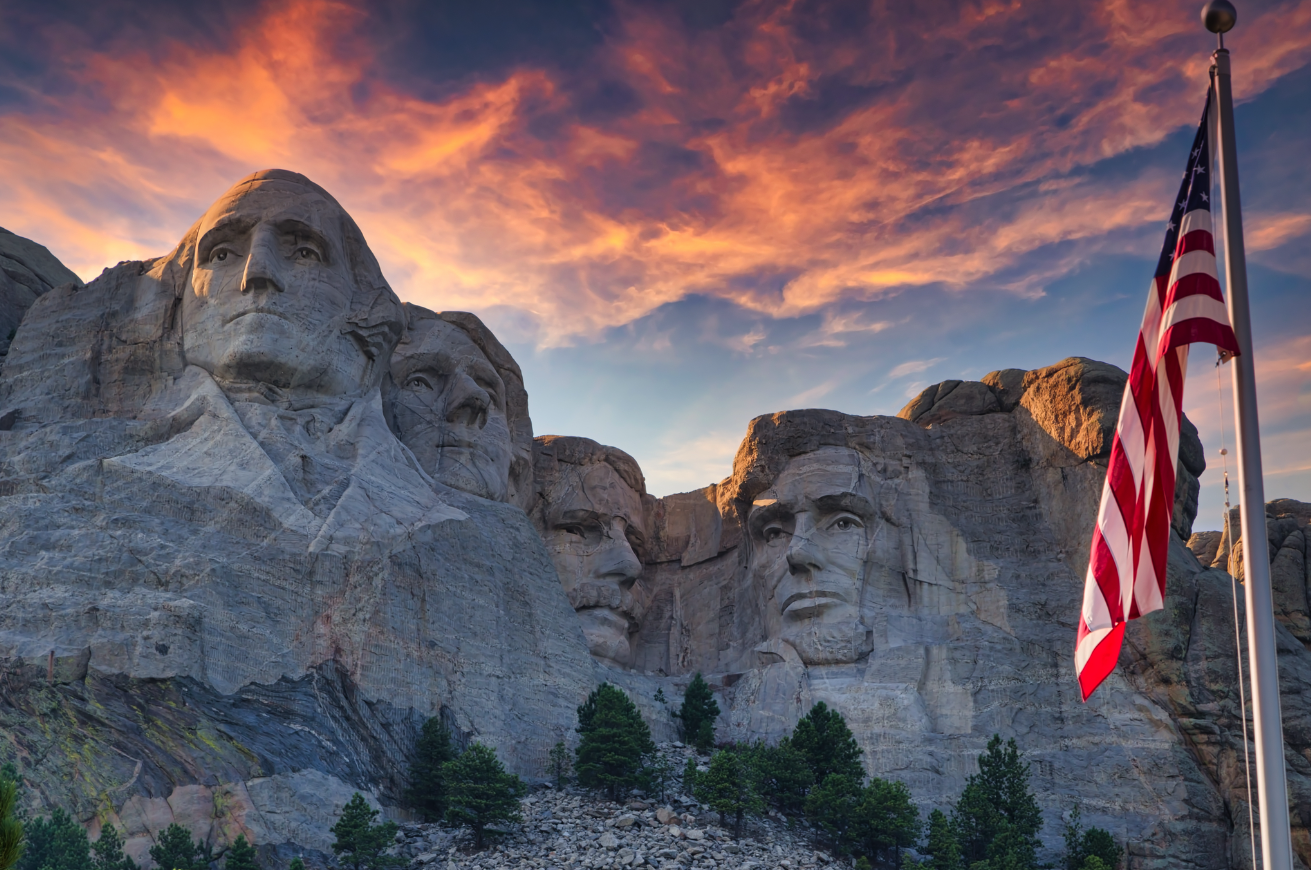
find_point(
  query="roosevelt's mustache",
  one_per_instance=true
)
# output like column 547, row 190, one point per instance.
column 601, row 593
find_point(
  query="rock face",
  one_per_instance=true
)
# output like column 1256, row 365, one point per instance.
column 26, row 271
column 258, row 520
column 228, row 594
column 923, row 575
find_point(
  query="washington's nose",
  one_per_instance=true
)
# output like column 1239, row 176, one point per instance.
column 467, row 403
column 803, row 556
column 262, row 267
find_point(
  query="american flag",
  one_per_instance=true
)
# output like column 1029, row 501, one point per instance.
column 1126, row 568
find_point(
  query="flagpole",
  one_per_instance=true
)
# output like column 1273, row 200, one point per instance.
column 1271, row 783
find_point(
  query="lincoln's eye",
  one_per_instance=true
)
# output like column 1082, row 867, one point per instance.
column 306, row 253
column 219, row 256
column 845, row 524
column 417, row 382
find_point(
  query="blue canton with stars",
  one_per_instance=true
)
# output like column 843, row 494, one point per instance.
column 1194, row 190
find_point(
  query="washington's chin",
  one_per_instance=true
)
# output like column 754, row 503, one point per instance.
column 606, row 632
column 475, row 471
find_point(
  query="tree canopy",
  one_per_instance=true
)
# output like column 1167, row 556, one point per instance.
column 614, row 741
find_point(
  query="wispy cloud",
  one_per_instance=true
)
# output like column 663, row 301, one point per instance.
column 913, row 366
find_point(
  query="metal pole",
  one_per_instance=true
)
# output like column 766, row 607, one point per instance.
column 1271, row 782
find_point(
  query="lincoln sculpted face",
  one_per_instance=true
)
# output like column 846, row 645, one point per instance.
column 810, row 535
column 271, row 291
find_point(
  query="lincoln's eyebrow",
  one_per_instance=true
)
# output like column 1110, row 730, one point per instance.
column 226, row 228
column 845, row 501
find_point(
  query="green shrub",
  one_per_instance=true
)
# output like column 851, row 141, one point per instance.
column 481, row 792
column 560, row 764
column 360, row 843
column 176, row 850
column 107, row 852
column 614, row 742
column 11, row 827
column 731, row 787
column 427, row 791
column 241, row 855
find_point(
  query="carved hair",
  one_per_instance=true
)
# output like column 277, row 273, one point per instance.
column 552, row 451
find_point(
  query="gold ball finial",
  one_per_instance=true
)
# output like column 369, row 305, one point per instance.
column 1219, row 16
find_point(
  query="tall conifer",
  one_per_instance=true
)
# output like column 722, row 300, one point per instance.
column 614, row 742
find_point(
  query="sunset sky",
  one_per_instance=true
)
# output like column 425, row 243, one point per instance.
column 680, row 215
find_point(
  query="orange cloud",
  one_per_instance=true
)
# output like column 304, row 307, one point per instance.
column 739, row 159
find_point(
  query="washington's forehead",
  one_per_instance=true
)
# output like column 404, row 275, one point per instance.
column 264, row 202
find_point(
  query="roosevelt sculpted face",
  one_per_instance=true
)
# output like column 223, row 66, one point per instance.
column 593, row 530
column 270, row 294
column 449, row 409
column 810, row 535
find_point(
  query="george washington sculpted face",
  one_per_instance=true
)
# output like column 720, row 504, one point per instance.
column 270, row 295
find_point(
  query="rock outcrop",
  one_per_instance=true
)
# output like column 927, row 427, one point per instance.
column 229, row 595
column 27, row 270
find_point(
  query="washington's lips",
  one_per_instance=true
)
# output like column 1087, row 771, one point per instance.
column 812, row 598
column 259, row 309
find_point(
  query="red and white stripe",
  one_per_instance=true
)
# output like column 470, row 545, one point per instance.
column 1127, row 565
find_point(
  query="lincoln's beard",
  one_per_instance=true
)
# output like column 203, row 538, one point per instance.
column 829, row 642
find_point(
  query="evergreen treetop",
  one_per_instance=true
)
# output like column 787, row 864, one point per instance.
column 941, row 845
column 11, row 828
column 427, row 791
column 481, row 792
column 1081, row 844
column 785, row 775
column 360, row 843
column 698, row 714
column 176, row 850
column 883, row 822
column 614, row 741
column 823, row 738
column 731, row 787
column 297, row 863
column 107, row 852
column 241, row 855
column 997, row 818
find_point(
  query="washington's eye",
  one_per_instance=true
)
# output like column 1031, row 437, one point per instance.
column 844, row 524
column 307, row 253
column 219, row 255
column 417, row 382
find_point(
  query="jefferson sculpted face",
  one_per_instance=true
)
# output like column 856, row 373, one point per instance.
column 593, row 530
column 810, row 535
column 270, row 294
column 449, row 409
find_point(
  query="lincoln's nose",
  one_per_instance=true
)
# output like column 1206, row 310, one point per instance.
column 262, row 266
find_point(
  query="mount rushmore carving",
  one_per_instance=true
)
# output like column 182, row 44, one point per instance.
column 261, row 519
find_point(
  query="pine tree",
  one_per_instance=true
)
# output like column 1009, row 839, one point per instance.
column 427, row 791
column 481, row 792
column 690, row 773
column 107, row 852
column 942, row 847
column 614, row 741
column 884, row 821
column 730, row 787
column 177, row 851
column 560, row 765
column 56, row 843
column 11, row 828
column 997, row 817
column 1082, row 844
column 831, row 807
column 360, row 843
column 785, row 776
column 698, row 714
column 659, row 773
column 241, row 855
column 822, row 736
column 297, row 863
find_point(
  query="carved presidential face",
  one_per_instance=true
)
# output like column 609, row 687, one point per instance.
column 271, row 292
column 810, row 535
column 449, row 409
column 593, row 531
